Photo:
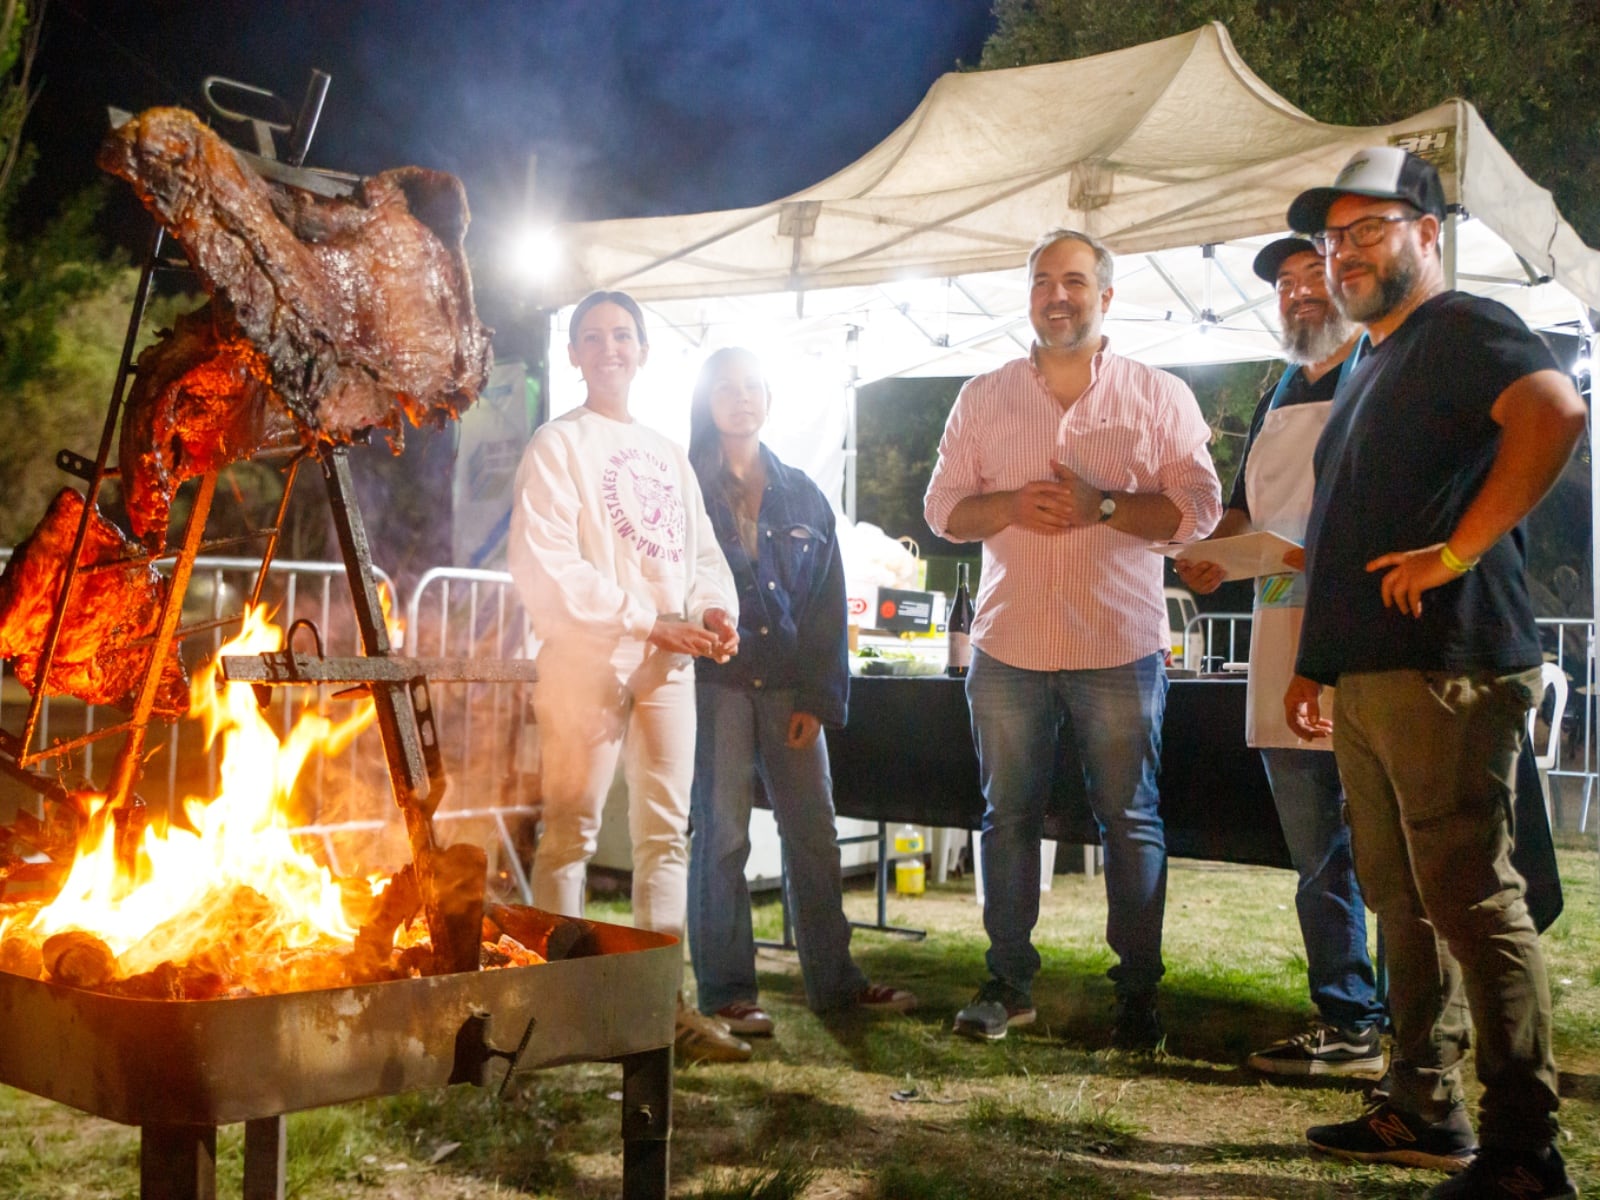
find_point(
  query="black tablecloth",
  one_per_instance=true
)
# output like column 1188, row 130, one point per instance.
column 907, row 755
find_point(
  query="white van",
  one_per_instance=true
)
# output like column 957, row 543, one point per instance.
column 1181, row 609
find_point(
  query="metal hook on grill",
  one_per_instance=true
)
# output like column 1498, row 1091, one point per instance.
column 304, row 623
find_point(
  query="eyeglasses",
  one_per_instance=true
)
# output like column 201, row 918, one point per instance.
column 1366, row 232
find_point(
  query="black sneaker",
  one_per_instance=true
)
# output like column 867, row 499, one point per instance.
column 1138, row 1025
column 1387, row 1135
column 1498, row 1174
column 1324, row 1050
column 996, row 1008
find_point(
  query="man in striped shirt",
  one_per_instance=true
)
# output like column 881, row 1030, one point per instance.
column 1066, row 465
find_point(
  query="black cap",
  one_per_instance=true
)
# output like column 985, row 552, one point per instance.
column 1382, row 172
column 1274, row 254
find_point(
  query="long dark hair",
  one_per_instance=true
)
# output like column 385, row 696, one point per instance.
column 705, row 443
column 620, row 299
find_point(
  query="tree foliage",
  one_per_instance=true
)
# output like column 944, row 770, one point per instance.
column 63, row 307
column 1525, row 64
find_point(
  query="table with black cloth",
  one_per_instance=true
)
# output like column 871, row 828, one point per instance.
column 906, row 755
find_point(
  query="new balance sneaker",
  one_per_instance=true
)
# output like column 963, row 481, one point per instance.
column 1387, row 1135
column 996, row 1008
column 1138, row 1024
column 880, row 997
column 1324, row 1050
column 745, row 1018
column 1498, row 1174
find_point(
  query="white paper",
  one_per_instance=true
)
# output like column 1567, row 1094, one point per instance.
column 1242, row 557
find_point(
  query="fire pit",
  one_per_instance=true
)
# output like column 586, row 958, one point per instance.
column 234, row 1046
column 179, row 1069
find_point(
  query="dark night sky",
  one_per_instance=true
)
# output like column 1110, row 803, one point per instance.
column 633, row 108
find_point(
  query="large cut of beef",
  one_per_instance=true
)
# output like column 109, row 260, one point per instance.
column 109, row 611
column 359, row 308
column 201, row 398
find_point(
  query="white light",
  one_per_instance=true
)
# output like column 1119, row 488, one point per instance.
column 1583, row 366
column 533, row 255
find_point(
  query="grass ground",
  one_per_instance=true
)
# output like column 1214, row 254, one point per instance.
column 893, row 1107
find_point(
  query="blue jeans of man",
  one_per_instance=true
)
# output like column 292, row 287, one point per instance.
column 1333, row 919
column 1017, row 721
column 742, row 737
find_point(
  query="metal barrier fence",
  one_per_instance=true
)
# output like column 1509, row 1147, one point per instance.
column 346, row 803
column 1212, row 639
column 484, row 727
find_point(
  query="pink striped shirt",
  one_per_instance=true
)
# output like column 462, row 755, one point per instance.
column 1087, row 597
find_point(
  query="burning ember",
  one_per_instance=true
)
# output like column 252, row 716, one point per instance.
column 229, row 905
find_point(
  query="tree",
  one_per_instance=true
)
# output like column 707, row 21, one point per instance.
column 60, row 324
column 1525, row 64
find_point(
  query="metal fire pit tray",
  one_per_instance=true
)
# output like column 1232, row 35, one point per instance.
column 179, row 1069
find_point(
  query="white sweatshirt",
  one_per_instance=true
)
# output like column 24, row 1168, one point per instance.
column 609, row 531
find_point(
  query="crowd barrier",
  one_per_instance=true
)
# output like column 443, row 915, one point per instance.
column 484, row 728
column 1215, row 640
column 345, row 804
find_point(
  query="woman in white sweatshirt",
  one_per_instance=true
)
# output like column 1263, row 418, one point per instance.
column 625, row 584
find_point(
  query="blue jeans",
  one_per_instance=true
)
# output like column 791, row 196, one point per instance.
column 1115, row 713
column 1333, row 920
column 742, row 736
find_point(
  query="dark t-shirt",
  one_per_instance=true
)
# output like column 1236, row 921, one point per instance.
column 1299, row 391
column 1407, row 447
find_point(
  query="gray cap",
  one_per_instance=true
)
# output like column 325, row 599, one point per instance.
column 1382, row 172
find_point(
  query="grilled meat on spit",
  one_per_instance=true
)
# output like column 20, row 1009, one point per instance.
column 361, row 308
column 202, row 398
column 110, row 609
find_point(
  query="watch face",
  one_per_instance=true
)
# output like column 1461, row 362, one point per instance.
column 1107, row 507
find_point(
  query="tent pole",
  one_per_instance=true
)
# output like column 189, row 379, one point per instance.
column 852, row 349
column 1591, row 344
column 1450, row 219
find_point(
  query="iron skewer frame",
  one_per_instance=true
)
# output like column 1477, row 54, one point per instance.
column 178, row 1152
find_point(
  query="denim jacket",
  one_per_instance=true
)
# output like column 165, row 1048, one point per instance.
column 791, row 599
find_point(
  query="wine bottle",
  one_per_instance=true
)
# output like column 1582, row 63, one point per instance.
column 958, row 628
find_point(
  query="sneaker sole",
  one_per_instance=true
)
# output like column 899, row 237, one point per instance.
column 979, row 1034
column 1447, row 1163
column 1354, row 1068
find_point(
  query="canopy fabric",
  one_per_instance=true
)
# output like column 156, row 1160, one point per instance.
column 1175, row 143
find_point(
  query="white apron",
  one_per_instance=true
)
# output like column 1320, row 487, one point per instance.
column 1278, row 486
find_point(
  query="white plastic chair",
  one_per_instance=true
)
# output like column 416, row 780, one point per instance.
column 1047, row 864
column 1551, row 677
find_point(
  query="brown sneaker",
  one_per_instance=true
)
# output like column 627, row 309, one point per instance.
column 705, row 1039
column 746, row 1018
column 880, row 997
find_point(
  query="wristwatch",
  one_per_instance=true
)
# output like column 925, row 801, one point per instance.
column 1107, row 507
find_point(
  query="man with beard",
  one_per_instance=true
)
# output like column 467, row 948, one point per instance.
column 1272, row 491
column 1441, row 441
column 1066, row 465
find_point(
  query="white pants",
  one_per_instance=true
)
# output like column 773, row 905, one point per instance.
column 586, row 717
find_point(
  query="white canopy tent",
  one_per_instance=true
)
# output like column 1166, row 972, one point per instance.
column 909, row 261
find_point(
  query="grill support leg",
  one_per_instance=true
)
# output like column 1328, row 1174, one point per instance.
column 646, row 1123
column 178, row 1162
column 265, row 1158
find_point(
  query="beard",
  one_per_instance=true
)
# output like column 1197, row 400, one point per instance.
column 1395, row 279
column 1080, row 331
column 1311, row 340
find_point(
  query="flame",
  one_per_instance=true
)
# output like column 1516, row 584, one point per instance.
column 392, row 620
column 237, row 878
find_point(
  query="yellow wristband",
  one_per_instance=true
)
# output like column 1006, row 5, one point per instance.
column 1459, row 565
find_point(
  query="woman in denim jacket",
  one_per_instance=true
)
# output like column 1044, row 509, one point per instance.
column 761, row 714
